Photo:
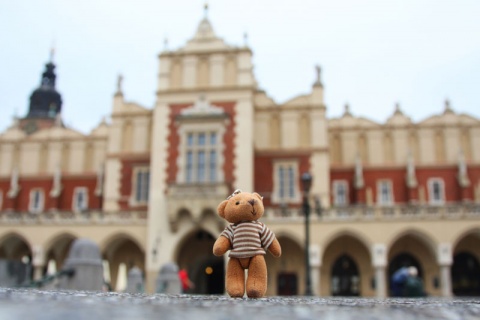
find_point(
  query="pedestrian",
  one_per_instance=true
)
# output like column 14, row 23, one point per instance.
column 397, row 284
column 414, row 285
column 187, row 284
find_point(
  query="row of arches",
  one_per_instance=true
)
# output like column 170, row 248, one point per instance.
column 345, row 269
column 119, row 253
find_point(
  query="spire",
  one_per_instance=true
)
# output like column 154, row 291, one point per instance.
column 45, row 101
column 52, row 54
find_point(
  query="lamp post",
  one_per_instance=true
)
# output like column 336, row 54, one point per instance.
column 306, row 184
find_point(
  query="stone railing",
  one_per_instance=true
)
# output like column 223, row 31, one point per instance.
column 455, row 211
column 75, row 218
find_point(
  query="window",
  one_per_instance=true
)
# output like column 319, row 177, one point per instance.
column 340, row 192
column 141, row 185
column 201, row 163
column 436, row 191
column 80, row 199
column 37, row 200
column 384, row 192
column 285, row 178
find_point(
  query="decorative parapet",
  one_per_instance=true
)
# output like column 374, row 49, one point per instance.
column 456, row 211
column 74, row 218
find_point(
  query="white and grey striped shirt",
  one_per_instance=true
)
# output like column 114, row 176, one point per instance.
column 248, row 238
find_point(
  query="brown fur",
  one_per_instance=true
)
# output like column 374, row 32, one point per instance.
column 243, row 207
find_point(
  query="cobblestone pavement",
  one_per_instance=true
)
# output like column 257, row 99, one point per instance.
column 71, row 305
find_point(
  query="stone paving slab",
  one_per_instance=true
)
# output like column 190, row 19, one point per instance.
column 72, row 305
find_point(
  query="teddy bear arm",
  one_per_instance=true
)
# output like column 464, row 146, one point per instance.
column 221, row 246
column 275, row 248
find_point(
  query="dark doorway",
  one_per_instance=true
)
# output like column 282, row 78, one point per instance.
column 287, row 284
column 465, row 275
column 345, row 280
column 205, row 270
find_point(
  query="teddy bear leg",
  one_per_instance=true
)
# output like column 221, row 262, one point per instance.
column 257, row 277
column 235, row 279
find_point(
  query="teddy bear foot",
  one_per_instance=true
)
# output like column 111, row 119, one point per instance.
column 255, row 293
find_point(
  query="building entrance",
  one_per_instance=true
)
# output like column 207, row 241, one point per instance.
column 465, row 275
column 206, row 271
column 345, row 277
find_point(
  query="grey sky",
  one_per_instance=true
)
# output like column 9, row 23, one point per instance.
column 373, row 53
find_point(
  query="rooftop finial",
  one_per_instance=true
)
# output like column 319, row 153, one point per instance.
column 245, row 39
column 205, row 9
column 119, row 84
column 448, row 108
column 397, row 108
column 347, row 110
column 165, row 44
column 318, row 71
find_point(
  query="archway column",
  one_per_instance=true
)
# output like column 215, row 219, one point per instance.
column 379, row 262
column 445, row 260
column 38, row 261
column 315, row 264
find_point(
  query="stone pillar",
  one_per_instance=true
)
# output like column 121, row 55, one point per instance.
column 168, row 280
column 38, row 261
column 135, row 281
column 445, row 260
column 85, row 267
column 315, row 264
column 379, row 262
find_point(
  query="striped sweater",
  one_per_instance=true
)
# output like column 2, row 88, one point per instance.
column 248, row 238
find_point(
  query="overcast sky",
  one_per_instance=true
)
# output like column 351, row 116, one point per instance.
column 373, row 53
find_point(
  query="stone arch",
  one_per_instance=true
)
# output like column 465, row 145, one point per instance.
column 16, row 258
column 122, row 249
column 14, row 246
column 357, row 249
column 210, row 221
column 419, row 234
column 183, row 216
column 194, row 254
column 466, row 233
column 348, row 232
column 415, row 248
column 286, row 275
column 57, row 248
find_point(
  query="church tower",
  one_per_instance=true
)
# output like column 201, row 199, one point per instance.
column 45, row 102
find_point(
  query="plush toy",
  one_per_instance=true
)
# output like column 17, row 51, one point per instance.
column 247, row 238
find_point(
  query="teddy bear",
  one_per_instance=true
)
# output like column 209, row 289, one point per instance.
column 247, row 239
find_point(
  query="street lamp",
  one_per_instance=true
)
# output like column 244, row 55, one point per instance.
column 306, row 184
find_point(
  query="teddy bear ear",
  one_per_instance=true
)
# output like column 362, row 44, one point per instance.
column 221, row 208
column 258, row 196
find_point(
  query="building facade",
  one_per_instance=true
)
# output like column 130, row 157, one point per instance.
column 145, row 186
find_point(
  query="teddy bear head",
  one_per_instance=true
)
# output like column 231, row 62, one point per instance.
column 241, row 206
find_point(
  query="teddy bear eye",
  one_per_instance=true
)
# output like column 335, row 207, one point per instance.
column 237, row 203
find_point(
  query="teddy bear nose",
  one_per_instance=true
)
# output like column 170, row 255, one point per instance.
column 251, row 201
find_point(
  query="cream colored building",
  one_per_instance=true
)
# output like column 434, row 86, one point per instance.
column 145, row 186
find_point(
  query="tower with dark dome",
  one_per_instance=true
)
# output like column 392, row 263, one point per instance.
column 45, row 102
